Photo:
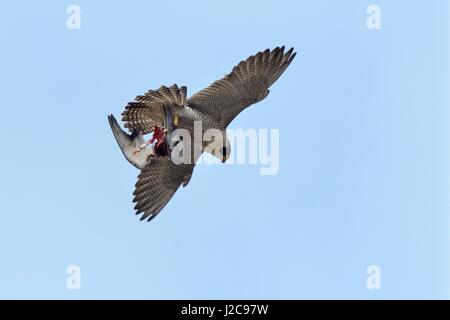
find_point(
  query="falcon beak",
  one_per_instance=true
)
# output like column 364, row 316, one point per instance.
column 224, row 159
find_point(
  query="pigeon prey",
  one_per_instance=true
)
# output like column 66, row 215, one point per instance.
column 166, row 112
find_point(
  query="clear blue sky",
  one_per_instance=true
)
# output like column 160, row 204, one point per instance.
column 364, row 152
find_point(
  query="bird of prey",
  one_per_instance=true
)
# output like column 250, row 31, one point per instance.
column 163, row 111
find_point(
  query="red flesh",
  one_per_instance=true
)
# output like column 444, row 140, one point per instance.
column 160, row 137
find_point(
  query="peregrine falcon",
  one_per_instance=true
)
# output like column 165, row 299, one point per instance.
column 166, row 110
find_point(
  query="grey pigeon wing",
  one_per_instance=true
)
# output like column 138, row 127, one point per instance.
column 128, row 143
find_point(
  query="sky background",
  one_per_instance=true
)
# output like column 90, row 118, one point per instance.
column 364, row 152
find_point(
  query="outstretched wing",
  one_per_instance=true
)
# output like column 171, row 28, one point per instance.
column 157, row 183
column 247, row 83
column 148, row 109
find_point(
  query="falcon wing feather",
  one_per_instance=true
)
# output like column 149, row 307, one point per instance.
column 157, row 183
column 247, row 83
column 147, row 111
